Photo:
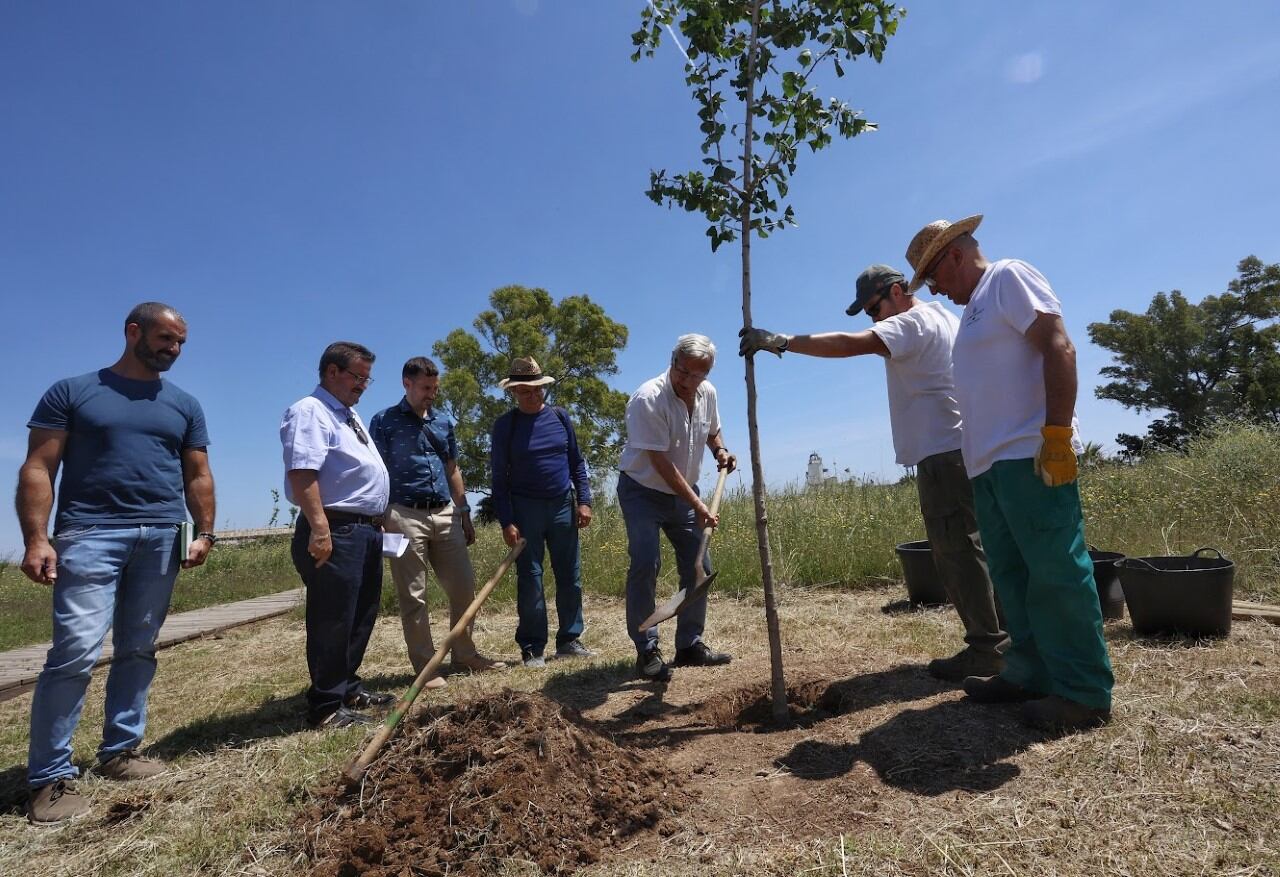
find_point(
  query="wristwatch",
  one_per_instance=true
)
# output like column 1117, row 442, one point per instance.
column 213, row 540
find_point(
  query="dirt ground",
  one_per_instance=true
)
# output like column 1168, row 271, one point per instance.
column 602, row 771
column 582, row 768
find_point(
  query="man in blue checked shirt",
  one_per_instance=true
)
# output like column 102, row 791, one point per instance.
column 336, row 478
column 429, row 507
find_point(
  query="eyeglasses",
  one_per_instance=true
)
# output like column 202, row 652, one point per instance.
column 929, row 280
column 873, row 309
column 355, row 427
column 360, row 379
column 697, row 376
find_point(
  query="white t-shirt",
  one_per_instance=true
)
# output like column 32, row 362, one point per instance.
column 658, row 420
column 922, row 396
column 999, row 375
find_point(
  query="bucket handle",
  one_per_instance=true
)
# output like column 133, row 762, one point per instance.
column 1196, row 553
column 1134, row 561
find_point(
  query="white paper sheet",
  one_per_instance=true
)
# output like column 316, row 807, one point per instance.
column 394, row 544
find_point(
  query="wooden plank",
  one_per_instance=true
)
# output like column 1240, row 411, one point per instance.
column 20, row 668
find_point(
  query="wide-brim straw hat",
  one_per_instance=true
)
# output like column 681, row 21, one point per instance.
column 525, row 372
column 932, row 240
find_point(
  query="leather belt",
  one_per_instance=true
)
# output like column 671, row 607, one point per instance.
column 429, row 505
column 337, row 518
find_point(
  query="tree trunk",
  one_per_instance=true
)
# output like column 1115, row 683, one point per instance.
column 753, row 430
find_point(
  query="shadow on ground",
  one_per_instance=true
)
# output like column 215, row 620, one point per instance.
column 944, row 747
column 274, row 717
column 13, row 790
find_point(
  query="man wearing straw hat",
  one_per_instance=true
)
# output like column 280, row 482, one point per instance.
column 541, row 493
column 428, row 507
column 1015, row 379
column 670, row 419
column 914, row 338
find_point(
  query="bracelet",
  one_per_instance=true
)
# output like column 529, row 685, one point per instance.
column 213, row 540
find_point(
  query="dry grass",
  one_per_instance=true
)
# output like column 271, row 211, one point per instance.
column 906, row 778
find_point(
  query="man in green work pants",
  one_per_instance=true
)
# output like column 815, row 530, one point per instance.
column 1015, row 380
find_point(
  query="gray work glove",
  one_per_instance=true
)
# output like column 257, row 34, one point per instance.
column 755, row 340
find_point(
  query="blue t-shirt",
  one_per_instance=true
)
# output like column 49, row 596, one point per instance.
column 123, row 459
column 537, row 456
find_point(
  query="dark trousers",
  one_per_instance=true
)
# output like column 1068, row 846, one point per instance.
column 342, row 605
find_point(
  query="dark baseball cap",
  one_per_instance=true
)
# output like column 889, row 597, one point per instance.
column 872, row 282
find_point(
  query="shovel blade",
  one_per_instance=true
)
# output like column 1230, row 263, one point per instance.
column 678, row 600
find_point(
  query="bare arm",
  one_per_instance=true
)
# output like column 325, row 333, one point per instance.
column 716, row 444
column 197, row 484
column 305, row 487
column 459, row 493
column 1049, row 336
column 838, row 344
column 35, row 500
column 671, row 475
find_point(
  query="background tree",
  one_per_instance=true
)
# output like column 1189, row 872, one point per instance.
column 752, row 61
column 1199, row 362
column 574, row 341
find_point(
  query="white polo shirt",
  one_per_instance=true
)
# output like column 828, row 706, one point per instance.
column 658, row 420
column 999, row 375
column 923, row 412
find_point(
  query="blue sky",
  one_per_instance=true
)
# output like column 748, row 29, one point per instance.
column 290, row 174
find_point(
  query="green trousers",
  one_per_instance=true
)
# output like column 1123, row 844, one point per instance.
column 1040, row 566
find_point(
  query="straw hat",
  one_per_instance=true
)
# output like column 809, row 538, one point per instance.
column 525, row 372
column 932, row 240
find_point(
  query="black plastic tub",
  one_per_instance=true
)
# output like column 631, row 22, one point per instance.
column 1188, row 595
column 924, row 588
column 1106, row 575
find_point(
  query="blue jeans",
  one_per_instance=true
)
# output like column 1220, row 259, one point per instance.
column 646, row 511
column 547, row 525
column 342, row 605
column 109, row 576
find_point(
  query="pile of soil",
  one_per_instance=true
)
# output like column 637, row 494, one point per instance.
column 511, row 776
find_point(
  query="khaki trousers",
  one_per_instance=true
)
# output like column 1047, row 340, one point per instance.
column 437, row 539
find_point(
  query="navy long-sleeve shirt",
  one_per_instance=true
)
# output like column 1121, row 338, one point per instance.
column 535, row 455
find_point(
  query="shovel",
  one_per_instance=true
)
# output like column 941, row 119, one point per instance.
column 354, row 771
column 701, row 581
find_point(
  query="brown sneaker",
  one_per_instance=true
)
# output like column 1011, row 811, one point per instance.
column 965, row 663
column 55, row 803
column 1059, row 715
column 996, row 689
column 129, row 765
column 478, row 663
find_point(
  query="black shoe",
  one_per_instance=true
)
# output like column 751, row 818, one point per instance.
column 700, row 655
column 363, row 700
column 530, row 658
column 342, row 718
column 651, row 666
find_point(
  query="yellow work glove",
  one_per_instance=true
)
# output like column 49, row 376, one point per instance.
column 1055, row 460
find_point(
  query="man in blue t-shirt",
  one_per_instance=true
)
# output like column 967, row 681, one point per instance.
column 536, row 469
column 134, row 460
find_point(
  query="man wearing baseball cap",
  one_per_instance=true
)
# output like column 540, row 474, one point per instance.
column 1015, row 382
column 914, row 338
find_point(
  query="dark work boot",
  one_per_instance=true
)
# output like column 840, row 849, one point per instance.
column 1059, row 715
column 967, row 662
column 996, row 689
column 651, row 666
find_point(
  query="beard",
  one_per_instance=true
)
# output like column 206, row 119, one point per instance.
column 156, row 360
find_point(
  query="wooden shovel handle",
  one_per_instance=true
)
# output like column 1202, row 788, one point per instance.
column 354, row 771
column 714, row 508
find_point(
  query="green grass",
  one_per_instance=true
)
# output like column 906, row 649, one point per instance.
column 1224, row 493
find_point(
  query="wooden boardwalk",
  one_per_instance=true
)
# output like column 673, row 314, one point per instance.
column 20, row 667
